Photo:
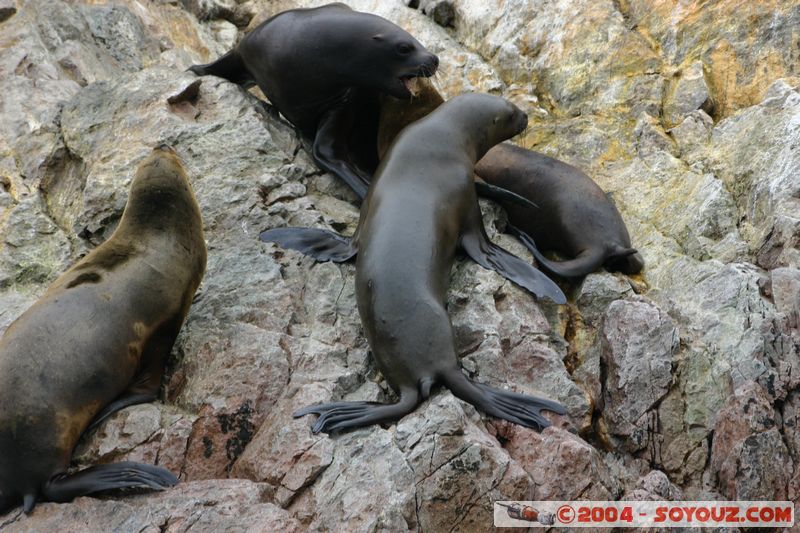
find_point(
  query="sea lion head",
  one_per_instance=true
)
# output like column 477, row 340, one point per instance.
column 390, row 59
column 162, row 168
column 489, row 118
column 160, row 192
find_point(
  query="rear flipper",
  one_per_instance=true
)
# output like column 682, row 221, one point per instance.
column 584, row 263
column 487, row 190
column 321, row 244
column 99, row 478
column 490, row 256
column 518, row 408
column 337, row 416
column 230, row 66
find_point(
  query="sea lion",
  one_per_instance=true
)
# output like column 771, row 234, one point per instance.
column 97, row 341
column 421, row 205
column 573, row 216
column 323, row 69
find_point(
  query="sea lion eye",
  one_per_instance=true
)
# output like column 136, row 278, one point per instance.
column 404, row 48
column 496, row 120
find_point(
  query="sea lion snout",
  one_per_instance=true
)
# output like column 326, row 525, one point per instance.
column 521, row 120
column 431, row 64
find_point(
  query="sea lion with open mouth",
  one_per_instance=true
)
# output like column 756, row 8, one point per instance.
column 97, row 341
column 421, row 206
column 323, row 68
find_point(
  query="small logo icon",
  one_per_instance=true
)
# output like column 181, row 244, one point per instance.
column 528, row 513
column 566, row 514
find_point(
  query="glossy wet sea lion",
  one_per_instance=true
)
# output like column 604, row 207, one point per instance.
column 323, row 68
column 572, row 216
column 575, row 218
column 97, row 341
column 422, row 205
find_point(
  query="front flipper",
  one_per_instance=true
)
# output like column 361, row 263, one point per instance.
column 321, row 244
column 584, row 263
column 493, row 192
column 145, row 386
column 330, row 148
column 490, row 256
column 99, row 478
column 337, row 416
column 126, row 400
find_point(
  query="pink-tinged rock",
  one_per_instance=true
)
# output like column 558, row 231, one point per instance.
column 213, row 505
column 748, row 453
column 562, row 465
column 458, row 469
column 654, row 486
column 216, row 441
column 151, row 433
column 284, row 452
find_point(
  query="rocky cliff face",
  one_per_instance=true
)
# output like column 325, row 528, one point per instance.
column 682, row 382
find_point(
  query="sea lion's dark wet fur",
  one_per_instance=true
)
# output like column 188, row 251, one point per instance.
column 572, row 217
column 323, row 69
column 97, row 340
column 420, row 207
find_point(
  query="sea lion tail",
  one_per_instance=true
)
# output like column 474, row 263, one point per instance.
column 230, row 66
column 585, row 263
column 28, row 503
column 98, row 478
column 518, row 408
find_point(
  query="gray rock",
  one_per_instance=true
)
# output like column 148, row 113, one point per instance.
column 638, row 343
column 442, row 12
column 692, row 135
column 687, row 93
column 210, row 9
column 702, row 167
column 597, row 292
column 785, row 288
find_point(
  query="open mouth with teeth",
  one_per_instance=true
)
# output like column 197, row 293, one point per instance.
column 412, row 84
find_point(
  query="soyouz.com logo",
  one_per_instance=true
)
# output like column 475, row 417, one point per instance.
column 643, row 514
